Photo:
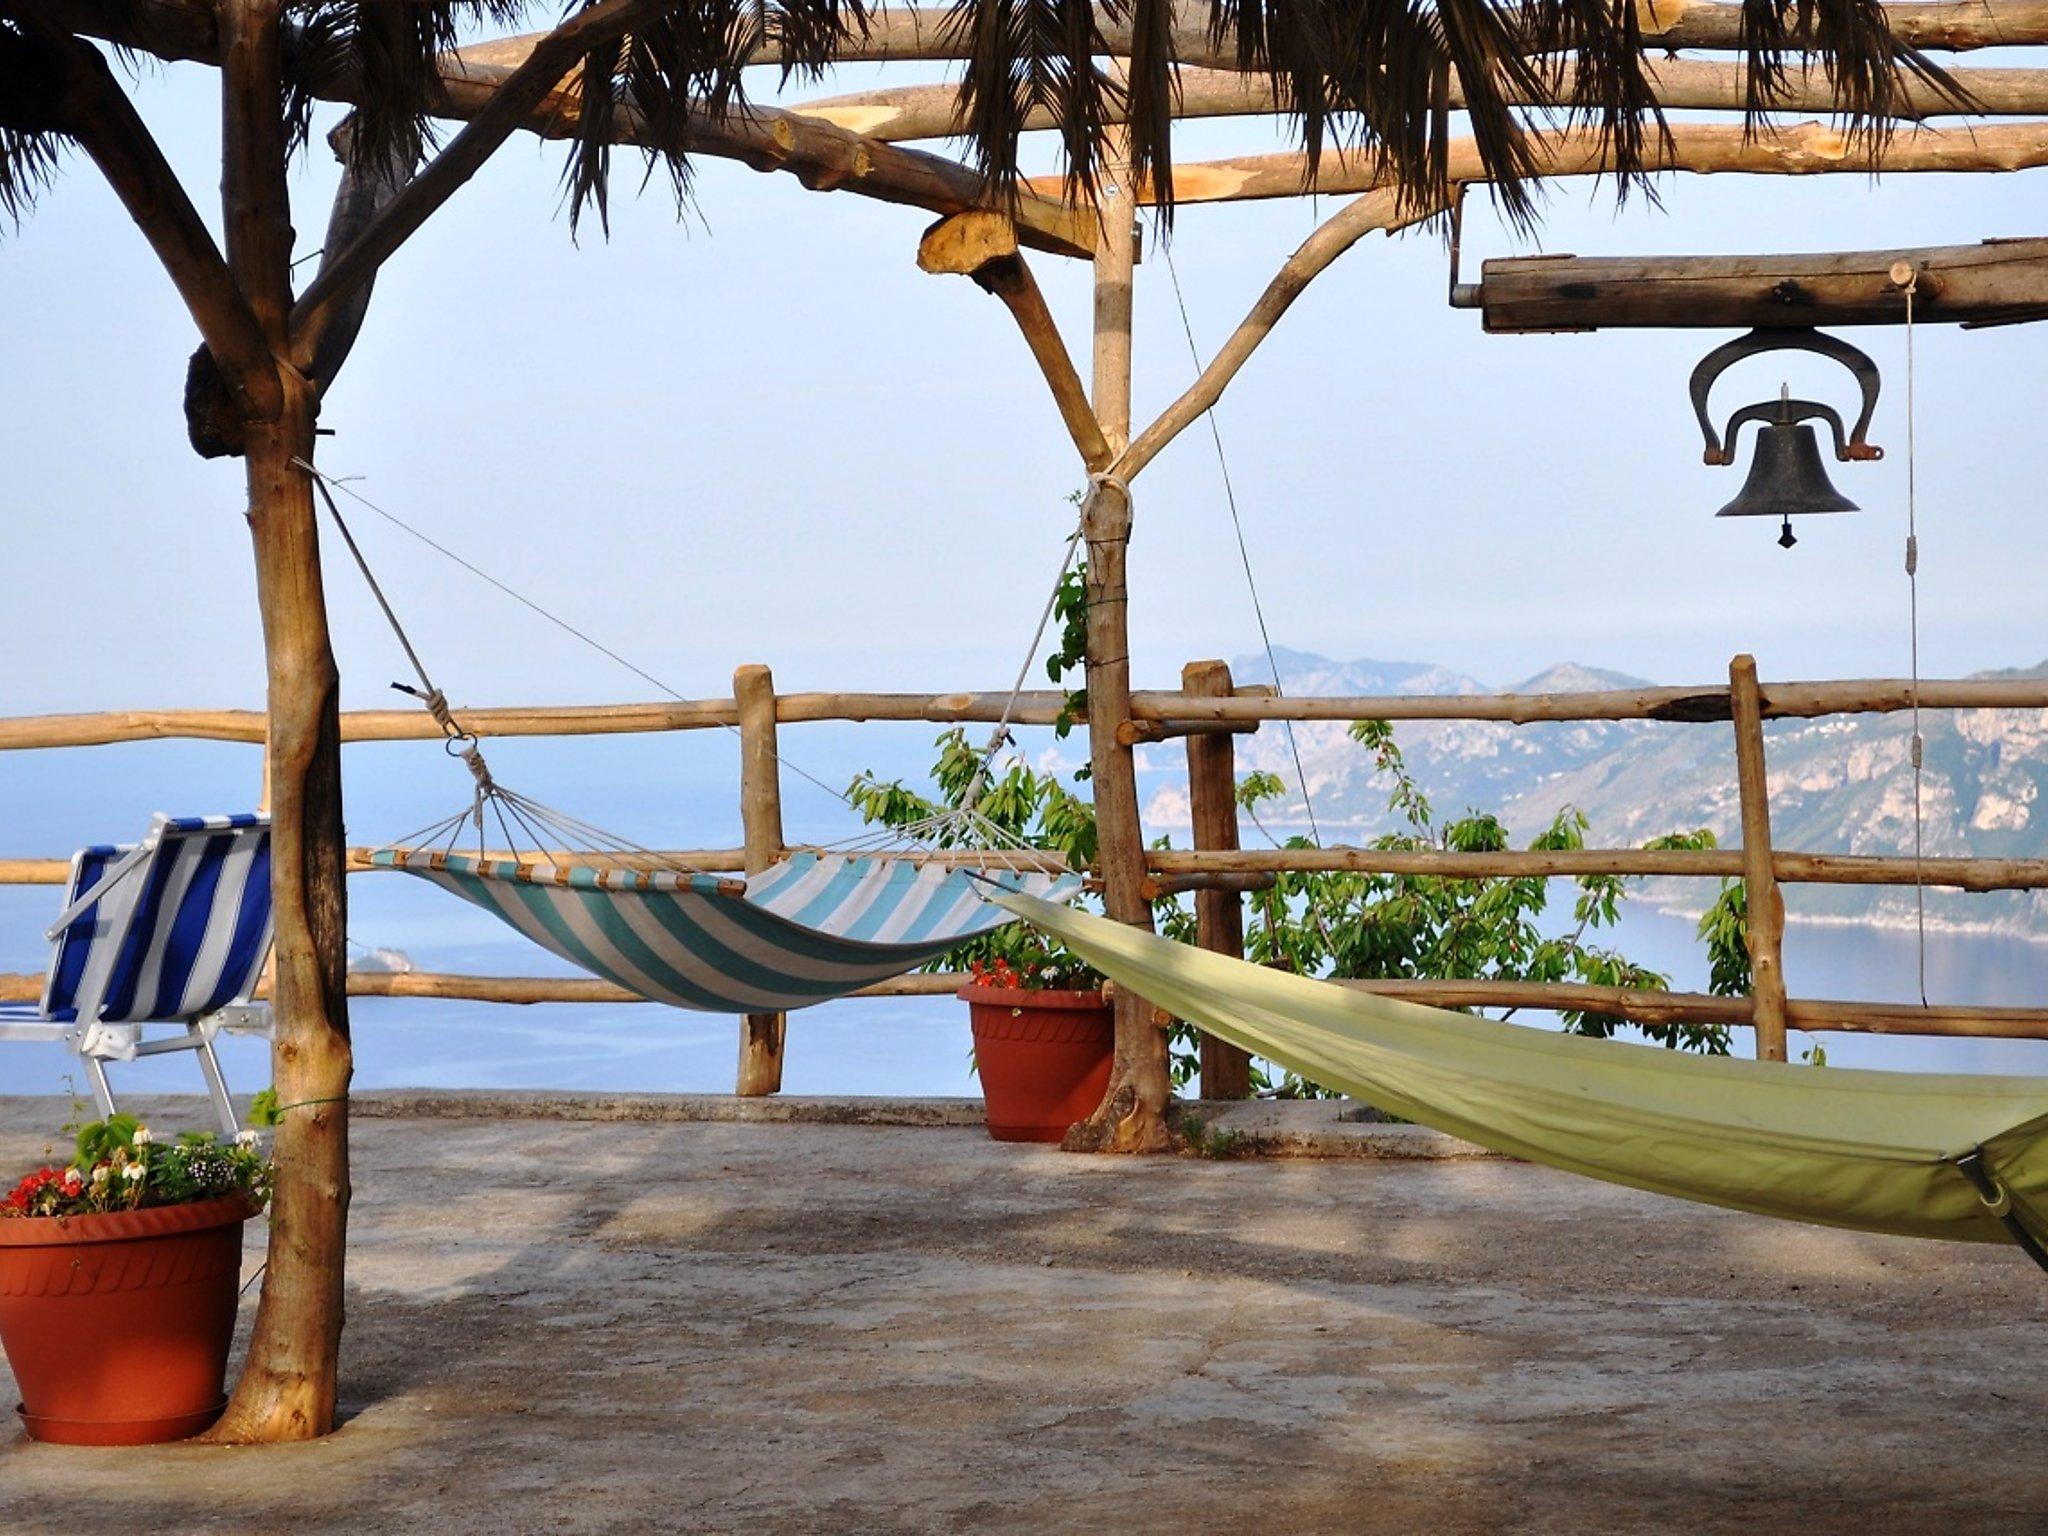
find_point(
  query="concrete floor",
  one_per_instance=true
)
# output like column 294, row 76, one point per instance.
column 795, row 1328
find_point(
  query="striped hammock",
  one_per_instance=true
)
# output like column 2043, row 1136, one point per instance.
column 812, row 928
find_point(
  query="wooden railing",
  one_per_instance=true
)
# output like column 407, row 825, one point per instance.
column 1208, row 711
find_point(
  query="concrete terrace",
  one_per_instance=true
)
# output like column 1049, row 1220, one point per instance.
column 659, row 1323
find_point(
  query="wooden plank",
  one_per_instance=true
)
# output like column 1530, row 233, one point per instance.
column 1219, row 913
column 1766, row 904
column 1994, row 281
column 761, row 1034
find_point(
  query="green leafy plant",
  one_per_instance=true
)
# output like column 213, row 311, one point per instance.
column 118, row 1165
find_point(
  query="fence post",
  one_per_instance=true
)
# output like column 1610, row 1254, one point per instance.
column 1219, row 914
column 753, row 687
column 1760, row 882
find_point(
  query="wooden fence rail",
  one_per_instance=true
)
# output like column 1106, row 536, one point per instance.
column 1245, row 705
column 1208, row 711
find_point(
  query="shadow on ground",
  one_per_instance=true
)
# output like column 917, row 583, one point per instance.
column 627, row 1327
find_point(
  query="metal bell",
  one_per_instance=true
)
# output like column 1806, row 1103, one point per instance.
column 1786, row 477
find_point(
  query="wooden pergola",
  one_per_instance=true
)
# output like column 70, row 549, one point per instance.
column 273, row 351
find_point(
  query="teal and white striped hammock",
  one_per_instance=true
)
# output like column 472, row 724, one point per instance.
column 812, row 928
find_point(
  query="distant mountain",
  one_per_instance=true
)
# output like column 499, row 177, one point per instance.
column 1840, row 785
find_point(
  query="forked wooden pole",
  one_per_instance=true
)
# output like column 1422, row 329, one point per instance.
column 1132, row 1115
column 1219, row 912
column 1766, row 904
column 761, row 1034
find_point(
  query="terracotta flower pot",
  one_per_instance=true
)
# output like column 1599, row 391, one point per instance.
column 1044, row 1058
column 117, row 1326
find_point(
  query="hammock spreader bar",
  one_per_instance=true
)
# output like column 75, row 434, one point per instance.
column 812, row 928
column 1912, row 1154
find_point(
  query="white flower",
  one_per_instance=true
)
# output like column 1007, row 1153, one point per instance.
column 73, row 1178
column 246, row 1139
column 142, row 1136
column 134, row 1173
column 99, row 1174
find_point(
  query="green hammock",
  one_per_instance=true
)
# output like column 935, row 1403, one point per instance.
column 1913, row 1154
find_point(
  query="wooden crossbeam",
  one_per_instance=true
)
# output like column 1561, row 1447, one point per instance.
column 1795, row 149
column 1997, row 281
column 898, row 114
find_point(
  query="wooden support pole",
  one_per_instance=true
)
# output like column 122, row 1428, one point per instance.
column 1132, row 1115
column 1219, row 914
column 761, row 1034
column 288, row 1385
column 1766, row 904
column 982, row 244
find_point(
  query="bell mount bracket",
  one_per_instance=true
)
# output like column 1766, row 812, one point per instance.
column 1854, row 445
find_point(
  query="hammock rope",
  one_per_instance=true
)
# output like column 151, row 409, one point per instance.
column 956, row 827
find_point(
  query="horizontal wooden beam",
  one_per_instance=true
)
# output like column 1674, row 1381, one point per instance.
column 25, row 987
column 1635, row 1004
column 909, row 34
column 1707, row 703
column 1173, row 713
column 903, row 113
column 1253, row 868
column 1791, row 149
column 1648, row 1007
column 1998, row 280
column 1966, row 874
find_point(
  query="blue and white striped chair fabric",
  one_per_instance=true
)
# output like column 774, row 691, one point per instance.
column 812, row 928
column 173, row 929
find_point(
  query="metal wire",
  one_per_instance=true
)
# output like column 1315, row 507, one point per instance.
column 1913, row 625
column 1244, row 552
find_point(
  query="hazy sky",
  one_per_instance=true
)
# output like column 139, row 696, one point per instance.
column 763, row 434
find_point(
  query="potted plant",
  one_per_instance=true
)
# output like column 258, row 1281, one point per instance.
column 1044, row 1035
column 118, row 1279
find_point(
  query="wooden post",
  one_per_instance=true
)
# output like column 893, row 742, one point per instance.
column 287, row 1388
column 761, row 1034
column 1766, row 904
column 1219, row 914
column 1132, row 1115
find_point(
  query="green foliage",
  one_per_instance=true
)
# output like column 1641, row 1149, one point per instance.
column 263, row 1110
column 1070, row 654
column 1035, row 809
column 1200, row 1139
column 1724, row 928
column 118, row 1165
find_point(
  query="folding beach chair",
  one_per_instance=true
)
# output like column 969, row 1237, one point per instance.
column 174, row 929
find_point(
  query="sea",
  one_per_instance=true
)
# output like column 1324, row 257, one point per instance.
column 677, row 791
